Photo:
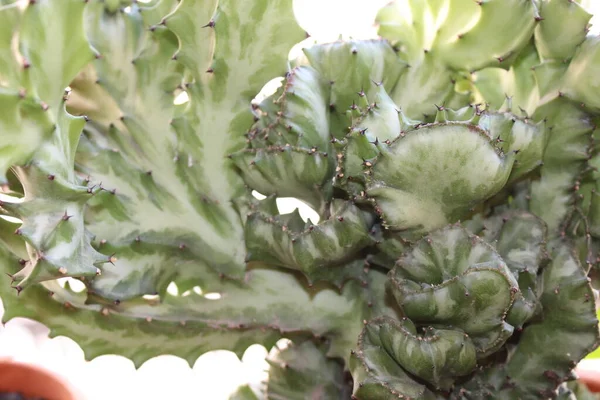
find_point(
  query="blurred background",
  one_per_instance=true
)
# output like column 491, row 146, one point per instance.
column 215, row 375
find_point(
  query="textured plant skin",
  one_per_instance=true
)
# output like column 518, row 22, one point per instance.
column 302, row 371
column 453, row 167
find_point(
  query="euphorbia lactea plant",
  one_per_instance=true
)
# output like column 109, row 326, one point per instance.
column 452, row 163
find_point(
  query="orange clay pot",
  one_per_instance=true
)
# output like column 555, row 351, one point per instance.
column 590, row 377
column 33, row 381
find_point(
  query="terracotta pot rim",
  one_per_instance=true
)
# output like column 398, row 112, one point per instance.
column 589, row 376
column 34, row 372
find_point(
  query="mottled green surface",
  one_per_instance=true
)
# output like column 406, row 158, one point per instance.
column 453, row 165
column 302, row 372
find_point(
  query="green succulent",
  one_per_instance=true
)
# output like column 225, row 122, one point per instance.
column 453, row 164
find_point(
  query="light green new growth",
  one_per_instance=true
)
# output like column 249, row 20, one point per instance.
column 453, row 164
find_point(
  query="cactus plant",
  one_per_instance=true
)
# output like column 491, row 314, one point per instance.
column 452, row 162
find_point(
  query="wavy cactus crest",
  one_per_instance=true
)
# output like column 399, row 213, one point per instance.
column 452, row 163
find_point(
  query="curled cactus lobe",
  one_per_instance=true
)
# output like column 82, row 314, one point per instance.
column 393, row 349
column 520, row 239
column 439, row 279
column 453, row 168
column 321, row 252
column 530, row 371
column 463, row 296
column 400, row 177
column 455, row 292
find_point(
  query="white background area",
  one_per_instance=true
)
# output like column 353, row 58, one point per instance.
column 216, row 374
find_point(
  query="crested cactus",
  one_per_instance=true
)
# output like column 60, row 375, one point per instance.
column 452, row 162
